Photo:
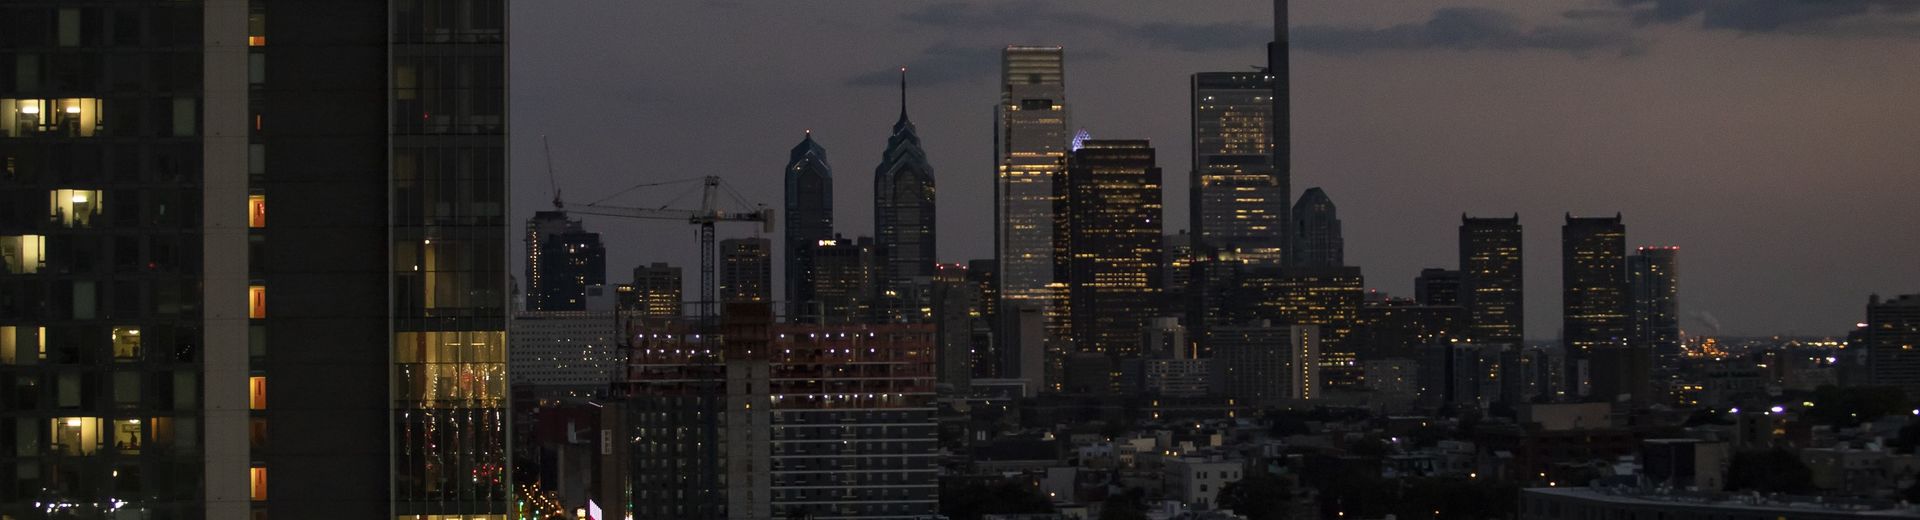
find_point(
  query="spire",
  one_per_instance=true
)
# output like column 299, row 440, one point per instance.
column 904, row 124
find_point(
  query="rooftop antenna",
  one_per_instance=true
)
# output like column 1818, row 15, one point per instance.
column 551, row 183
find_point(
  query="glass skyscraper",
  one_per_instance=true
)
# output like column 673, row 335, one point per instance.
column 1030, row 150
column 903, row 223
column 1238, row 201
column 1491, row 285
column 809, row 218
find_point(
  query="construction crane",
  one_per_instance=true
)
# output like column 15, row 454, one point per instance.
column 706, row 216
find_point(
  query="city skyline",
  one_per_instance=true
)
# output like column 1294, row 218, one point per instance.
column 1400, row 140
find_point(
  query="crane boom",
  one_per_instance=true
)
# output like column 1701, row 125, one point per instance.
column 706, row 217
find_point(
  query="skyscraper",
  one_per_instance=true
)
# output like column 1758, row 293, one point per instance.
column 809, row 217
column 1030, row 154
column 1316, row 232
column 1654, row 277
column 172, row 328
column 1236, row 197
column 903, row 223
column 1329, row 297
column 544, row 225
column 746, row 270
column 842, row 282
column 1264, row 364
column 1278, row 63
column 1892, row 339
column 1594, row 298
column 573, row 267
column 1113, row 235
column 1491, row 285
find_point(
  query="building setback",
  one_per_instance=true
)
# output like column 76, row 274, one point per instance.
column 903, row 223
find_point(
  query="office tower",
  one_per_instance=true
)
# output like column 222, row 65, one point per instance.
column 562, row 353
column 654, row 293
column 1263, row 364
column 1491, row 285
column 746, row 270
column 1316, row 232
column 1594, row 299
column 842, row 282
column 1437, row 287
column 1890, row 336
column 903, row 223
column 1654, row 279
column 1400, row 328
column 1030, row 153
column 142, row 144
column 573, row 268
column 1176, row 272
column 1113, row 234
column 809, row 217
column 986, row 344
column 1329, row 297
column 1237, row 198
column 1278, row 63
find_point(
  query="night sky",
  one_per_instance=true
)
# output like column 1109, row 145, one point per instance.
column 1777, row 142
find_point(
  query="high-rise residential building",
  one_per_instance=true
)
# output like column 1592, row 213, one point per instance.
column 842, row 282
column 1892, row 339
column 746, row 270
column 1237, row 198
column 903, row 221
column 573, row 267
column 1437, row 287
column 1263, row 364
column 1113, row 234
column 1491, row 281
column 1594, row 296
column 656, row 291
column 784, row 421
column 1316, row 232
column 1030, row 155
column 1654, row 279
column 567, row 353
column 168, row 328
column 809, row 218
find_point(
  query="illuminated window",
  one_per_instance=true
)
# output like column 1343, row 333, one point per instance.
column 256, row 211
column 67, row 117
column 126, row 343
column 257, row 393
column 76, row 435
column 258, row 483
column 256, row 30
column 257, row 301
column 23, row 254
column 127, row 435
column 75, row 208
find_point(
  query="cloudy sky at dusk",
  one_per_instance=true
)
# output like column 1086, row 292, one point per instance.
column 1777, row 142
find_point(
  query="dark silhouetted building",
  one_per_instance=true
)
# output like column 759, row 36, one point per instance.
column 1892, row 339
column 541, row 286
column 1113, row 232
column 1491, row 280
column 1594, row 297
column 1237, row 198
column 1316, row 232
column 1262, row 364
column 1437, row 287
column 843, row 282
column 903, row 223
column 746, row 270
column 573, row 269
column 1328, row 297
column 809, row 217
column 1654, row 279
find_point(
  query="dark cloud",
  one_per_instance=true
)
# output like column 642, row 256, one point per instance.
column 1023, row 15
column 941, row 63
column 1810, row 17
column 1464, row 28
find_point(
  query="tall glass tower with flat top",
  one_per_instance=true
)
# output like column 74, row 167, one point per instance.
column 1030, row 150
